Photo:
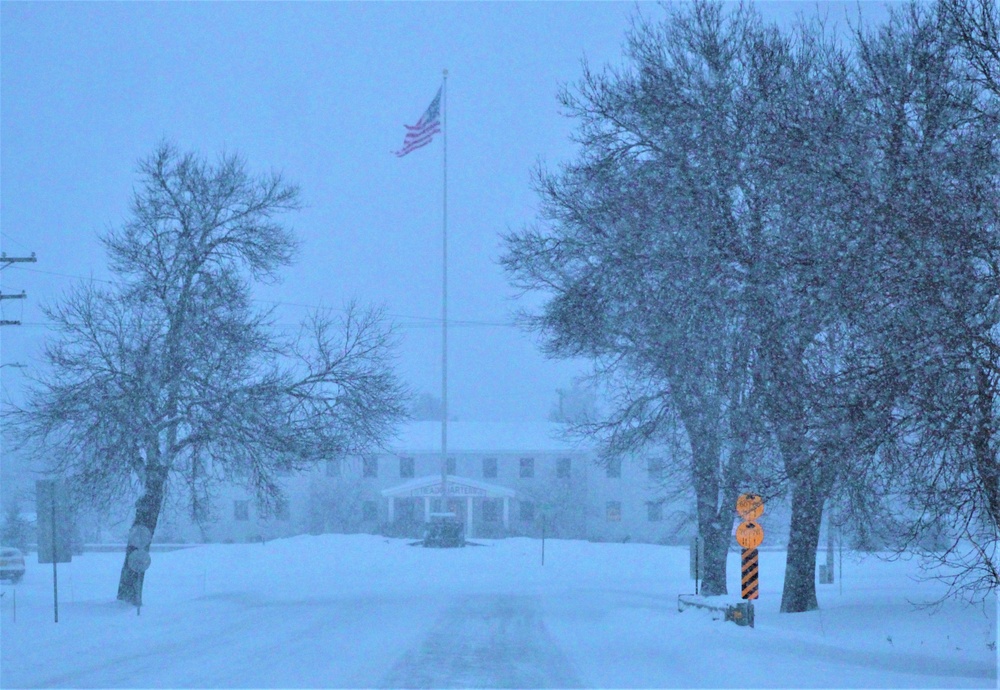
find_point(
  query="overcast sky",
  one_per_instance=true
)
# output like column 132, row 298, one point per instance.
column 319, row 92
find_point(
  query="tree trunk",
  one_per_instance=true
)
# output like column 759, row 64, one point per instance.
column 812, row 475
column 147, row 512
column 799, row 593
column 716, row 552
column 707, row 481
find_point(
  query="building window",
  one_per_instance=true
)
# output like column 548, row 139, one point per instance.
column 654, row 510
column 614, row 511
column 282, row 512
column 614, row 469
column 241, row 510
column 491, row 510
column 406, row 468
column 370, row 467
column 450, row 465
column 655, row 469
column 369, row 511
column 333, row 468
column 527, row 468
column 527, row 511
column 489, row 468
column 562, row 468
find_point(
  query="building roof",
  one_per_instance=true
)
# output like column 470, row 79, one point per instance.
column 485, row 437
column 459, row 486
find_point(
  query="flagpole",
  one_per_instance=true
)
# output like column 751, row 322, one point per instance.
column 444, row 303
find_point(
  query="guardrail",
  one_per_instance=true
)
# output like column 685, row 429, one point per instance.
column 119, row 548
column 740, row 613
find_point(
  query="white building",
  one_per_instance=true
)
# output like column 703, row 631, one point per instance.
column 503, row 479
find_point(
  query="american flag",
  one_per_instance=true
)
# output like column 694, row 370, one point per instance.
column 427, row 126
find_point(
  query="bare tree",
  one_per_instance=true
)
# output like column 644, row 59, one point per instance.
column 770, row 238
column 932, row 280
column 636, row 258
column 975, row 27
column 694, row 252
column 171, row 376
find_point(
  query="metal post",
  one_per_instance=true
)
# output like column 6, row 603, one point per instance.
column 55, row 557
column 697, row 571
column 543, row 538
column 829, row 546
column 840, row 557
column 444, row 299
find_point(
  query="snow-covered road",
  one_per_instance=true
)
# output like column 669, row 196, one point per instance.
column 363, row 611
column 486, row 642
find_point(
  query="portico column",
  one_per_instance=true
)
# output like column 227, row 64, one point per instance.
column 392, row 509
column 506, row 513
column 468, row 511
column 427, row 508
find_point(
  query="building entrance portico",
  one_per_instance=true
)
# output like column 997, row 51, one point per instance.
column 463, row 494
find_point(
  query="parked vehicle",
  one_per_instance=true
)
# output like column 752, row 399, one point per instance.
column 445, row 531
column 11, row 564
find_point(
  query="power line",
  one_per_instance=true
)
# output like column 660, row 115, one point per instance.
column 17, row 242
column 423, row 321
column 292, row 326
column 64, row 275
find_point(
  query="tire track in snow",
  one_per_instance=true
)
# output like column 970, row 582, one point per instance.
column 496, row 641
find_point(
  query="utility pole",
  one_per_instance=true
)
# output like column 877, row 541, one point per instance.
column 6, row 261
column 5, row 322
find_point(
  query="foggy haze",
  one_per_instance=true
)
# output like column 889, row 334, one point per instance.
column 319, row 92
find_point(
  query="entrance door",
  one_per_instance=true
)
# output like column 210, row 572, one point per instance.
column 457, row 506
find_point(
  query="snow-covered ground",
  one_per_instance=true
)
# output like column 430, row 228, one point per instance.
column 365, row 611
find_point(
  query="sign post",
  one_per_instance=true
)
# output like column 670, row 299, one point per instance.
column 55, row 530
column 840, row 558
column 826, row 571
column 546, row 507
column 696, row 559
column 749, row 535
